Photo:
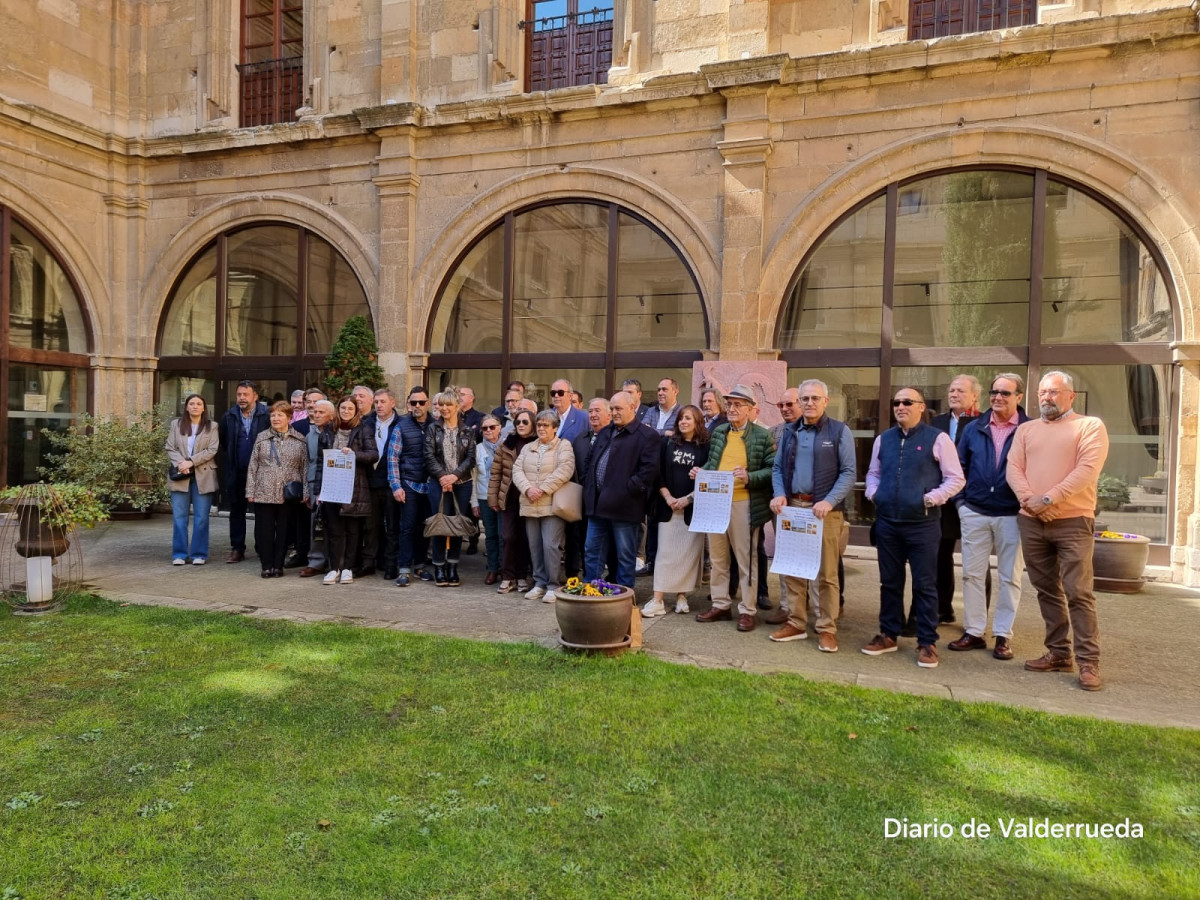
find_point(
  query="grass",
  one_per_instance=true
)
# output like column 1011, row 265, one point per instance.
column 168, row 754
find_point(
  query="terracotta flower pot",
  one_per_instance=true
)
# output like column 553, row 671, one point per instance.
column 1119, row 564
column 594, row 623
column 36, row 538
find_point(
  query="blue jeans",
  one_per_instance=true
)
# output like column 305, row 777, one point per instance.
column 494, row 543
column 914, row 543
column 201, row 505
column 603, row 532
column 412, row 541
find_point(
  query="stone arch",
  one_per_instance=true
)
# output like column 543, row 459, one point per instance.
column 669, row 214
column 1138, row 193
column 264, row 209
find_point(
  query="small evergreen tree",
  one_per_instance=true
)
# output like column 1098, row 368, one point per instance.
column 353, row 359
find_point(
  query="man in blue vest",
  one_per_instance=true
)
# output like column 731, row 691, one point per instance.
column 914, row 470
column 408, row 480
column 240, row 426
column 814, row 469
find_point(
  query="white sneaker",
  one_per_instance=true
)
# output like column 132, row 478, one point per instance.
column 331, row 577
column 550, row 596
column 347, row 576
column 681, row 605
column 652, row 609
column 536, row 593
column 178, row 562
column 199, row 561
column 506, row 587
column 524, row 584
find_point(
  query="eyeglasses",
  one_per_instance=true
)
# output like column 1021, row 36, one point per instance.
column 906, row 402
column 817, row 399
column 785, row 404
column 1001, row 393
column 544, row 425
column 491, row 428
column 557, row 393
column 417, row 402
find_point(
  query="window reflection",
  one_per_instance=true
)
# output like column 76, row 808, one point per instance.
column 470, row 316
column 44, row 312
column 657, row 301
column 260, row 309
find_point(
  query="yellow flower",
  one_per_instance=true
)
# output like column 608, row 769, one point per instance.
column 572, row 583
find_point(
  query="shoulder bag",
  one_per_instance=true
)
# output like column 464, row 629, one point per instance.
column 457, row 525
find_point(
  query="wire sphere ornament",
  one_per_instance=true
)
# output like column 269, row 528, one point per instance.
column 41, row 558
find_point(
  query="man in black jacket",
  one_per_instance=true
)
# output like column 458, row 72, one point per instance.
column 381, row 529
column 599, row 418
column 617, row 483
column 239, row 428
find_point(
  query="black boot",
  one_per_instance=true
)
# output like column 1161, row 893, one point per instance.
column 439, row 576
column 452, row 575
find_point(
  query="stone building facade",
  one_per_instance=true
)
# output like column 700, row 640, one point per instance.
column 799, row 181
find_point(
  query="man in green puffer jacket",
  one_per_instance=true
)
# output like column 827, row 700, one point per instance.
column 748, row 450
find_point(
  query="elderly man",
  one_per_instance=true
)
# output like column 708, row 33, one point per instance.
column 814, row 469
column 713, row 408
column 571, row 421
column 364, row 399
column 239, row 428
column 408, row 480
column 514, row 391
column 599, row 415
column 746, row 450
column 299, row 410
column 467, row 413
column 962, row 398
column 619, row 476
column 320, row 413
column 914, row 469
column 380, row 529
column 987, row 509
column 1053, row 468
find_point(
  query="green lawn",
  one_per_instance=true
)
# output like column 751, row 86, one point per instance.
column 159, row 753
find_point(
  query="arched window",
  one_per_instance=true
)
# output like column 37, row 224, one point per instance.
column 46, row 339
column 579, row 289
column 263, row 302
column 982, row 271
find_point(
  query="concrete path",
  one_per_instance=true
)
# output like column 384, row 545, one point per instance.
column 1150, row 673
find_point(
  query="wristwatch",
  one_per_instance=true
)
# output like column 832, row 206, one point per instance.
column 1047, row 500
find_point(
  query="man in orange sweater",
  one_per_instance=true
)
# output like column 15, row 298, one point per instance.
column 1053, row 468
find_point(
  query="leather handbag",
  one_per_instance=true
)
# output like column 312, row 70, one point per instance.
column 457, row 525
column 567, row 502
column 175, row 475
column 293, row 491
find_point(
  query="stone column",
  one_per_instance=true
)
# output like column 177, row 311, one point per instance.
column 397, row 319
column 1185, row 558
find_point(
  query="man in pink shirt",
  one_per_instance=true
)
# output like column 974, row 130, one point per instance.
column 1053, row 467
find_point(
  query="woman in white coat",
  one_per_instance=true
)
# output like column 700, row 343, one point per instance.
column 543, row 467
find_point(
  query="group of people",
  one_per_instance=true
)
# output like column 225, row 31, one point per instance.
column 1023, row 489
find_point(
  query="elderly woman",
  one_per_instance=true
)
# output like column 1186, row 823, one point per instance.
column 543, row 467
column 485, row 455
column 344, row 521
column 504, row 498
column 279, row 457
column 192, row 448
column 680, row 558
column 449, row 460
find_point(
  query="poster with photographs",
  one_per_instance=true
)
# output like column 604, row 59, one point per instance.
column 797, row 543
column 711, row 502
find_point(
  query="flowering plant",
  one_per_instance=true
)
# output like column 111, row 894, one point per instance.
column 597, row 588
column 1117, row 536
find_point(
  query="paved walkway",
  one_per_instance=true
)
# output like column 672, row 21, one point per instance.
column 1151, row 674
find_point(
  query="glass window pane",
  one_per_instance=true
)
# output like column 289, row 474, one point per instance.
column 658, row 307
column 838, row 299
column 962, row 260
column 650, row 377
column 260, row 318
column 560, row 279
column 853, row 399
column 470, row 310
column 1134, row 402
column 485, row 383
column 334, row 295
column 1101, row 284
column 40, row 400
column 173, row 387
column 934, row 381
column 589, row 382
column 191, row 328
column 44, row 312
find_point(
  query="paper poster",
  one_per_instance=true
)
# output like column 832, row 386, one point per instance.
column 337, row 477
column 712, row 500
column 797, row 543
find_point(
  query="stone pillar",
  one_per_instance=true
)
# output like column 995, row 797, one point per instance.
column 123, row 382
column 1185, row 557
column 397, row 318
column 745, row 148
column 397, row 53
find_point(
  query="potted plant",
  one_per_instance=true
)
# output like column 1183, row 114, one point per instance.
column 122, row 462
column 1119, row 561
column 1111, row 493
column 593, row 615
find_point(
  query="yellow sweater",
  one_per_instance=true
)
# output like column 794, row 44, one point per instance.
column 1060, row 459
column 734, row 456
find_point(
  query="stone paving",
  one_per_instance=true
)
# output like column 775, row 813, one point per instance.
column 1151, row 674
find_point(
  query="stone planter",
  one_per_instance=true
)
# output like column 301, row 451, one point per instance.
column 1119, row 564
column 594, row 623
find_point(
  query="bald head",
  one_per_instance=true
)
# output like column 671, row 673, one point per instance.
column 623, row 406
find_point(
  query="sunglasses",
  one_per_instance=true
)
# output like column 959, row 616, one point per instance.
column 1001, row 393
column 491, row 428
column 557, row 393
column 785, row 404
column 817, row 399
column 904, row 402
column 544, row 425
column 417, row 402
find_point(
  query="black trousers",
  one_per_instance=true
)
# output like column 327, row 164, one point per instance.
column 271, row 522
column 381, row 531
column 342, row 534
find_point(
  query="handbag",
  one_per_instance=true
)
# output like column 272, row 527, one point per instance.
column 567, row 502
column 293, row 491
column 175, row 475
column 457, row 525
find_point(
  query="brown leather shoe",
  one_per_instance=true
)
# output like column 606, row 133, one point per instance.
column 1003, row 650
column 236, row 556
column 491, row 578
column 309, row 572
column 1050, row 662
column 968, row 642
column 745, row 622
column 827, row 641
column 1089, row 676
column 927, row 657
column 778, row 617
column 715, row 615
